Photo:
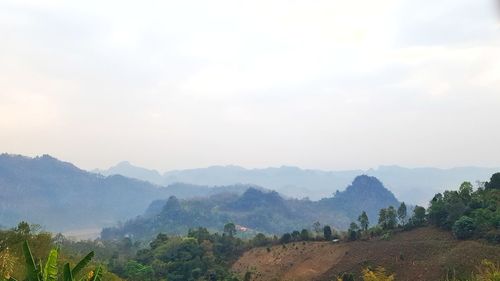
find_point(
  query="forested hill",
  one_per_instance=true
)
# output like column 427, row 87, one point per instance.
column 60, row 196
column 364, row 194
column 259, row 211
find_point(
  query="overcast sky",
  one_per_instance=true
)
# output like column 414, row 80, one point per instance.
column 318, row 84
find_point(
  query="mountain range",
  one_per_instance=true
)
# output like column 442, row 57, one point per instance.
column 412, row 185
column 59, row 196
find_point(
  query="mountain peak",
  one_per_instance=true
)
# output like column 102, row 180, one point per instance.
column 365, row 181
column 365, row 193
column 253, row 198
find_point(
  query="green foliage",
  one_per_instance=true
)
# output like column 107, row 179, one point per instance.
column 327, row 232
column 135, row 271
column 402, row 213
column 464, row 228
column 469, row 213
column 494, row 182
column 230, row 229
column 418, row 218
column 488, row 271
column 387, row 218
column 50, row 271
column 304, row 235
column 363, row 221
column 82, row 263
column 285, row 238
column 199, row 256
column 31, row 269
column 353, row 231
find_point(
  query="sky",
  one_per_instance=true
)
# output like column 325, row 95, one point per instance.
column 317, row 84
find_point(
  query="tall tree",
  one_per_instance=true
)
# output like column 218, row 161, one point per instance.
column 353, row 231
column 465, row 191
column 317, row 227
column 391, row 217
column 285, row 238
column 230, row 229
column 304, row 235
column 402, row 213
column 327, row 232
column 494, row 182
column 363, row 221
column 382, row 218
column 418, row 215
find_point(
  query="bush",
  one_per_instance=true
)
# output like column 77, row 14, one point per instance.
column 493, row 236
column 464, row 228
column 377, row 274
column 346, row 277
column 386, row 236
column 488, row 271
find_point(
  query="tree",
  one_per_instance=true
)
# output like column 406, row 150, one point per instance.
column 494, row 182
column 259, row 240
column 23, row 228
column 285, row 238
column 317, row 227
column 464, row 228
column 304, row 235
column 295, row 235
column 363, row 221
column 327, row 232
column 418, row 217
column 402, row 213
column 465, row 191
column 138, row 272
column 387, row 218
column 391, row 217
column 353, row 231
column 382, row 218
column 230, row 229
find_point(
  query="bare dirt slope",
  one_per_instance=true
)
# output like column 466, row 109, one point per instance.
column 424, row 254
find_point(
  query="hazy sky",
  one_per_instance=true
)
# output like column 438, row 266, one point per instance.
column 319, row 84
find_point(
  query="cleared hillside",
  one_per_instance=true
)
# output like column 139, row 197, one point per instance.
column 424, row 254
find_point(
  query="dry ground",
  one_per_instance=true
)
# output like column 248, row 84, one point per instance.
column 424, row 254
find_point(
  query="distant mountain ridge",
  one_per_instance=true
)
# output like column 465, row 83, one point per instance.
column 259, row 210
column 412, row 185
column 60, row 196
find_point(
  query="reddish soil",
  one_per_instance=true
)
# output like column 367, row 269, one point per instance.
column 424, row 254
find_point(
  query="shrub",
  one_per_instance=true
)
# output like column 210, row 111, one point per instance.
column 378, row 274
column 463, row 228
column 386, row 236
column 493, row 236
column 488, row 271
column 346, row 277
